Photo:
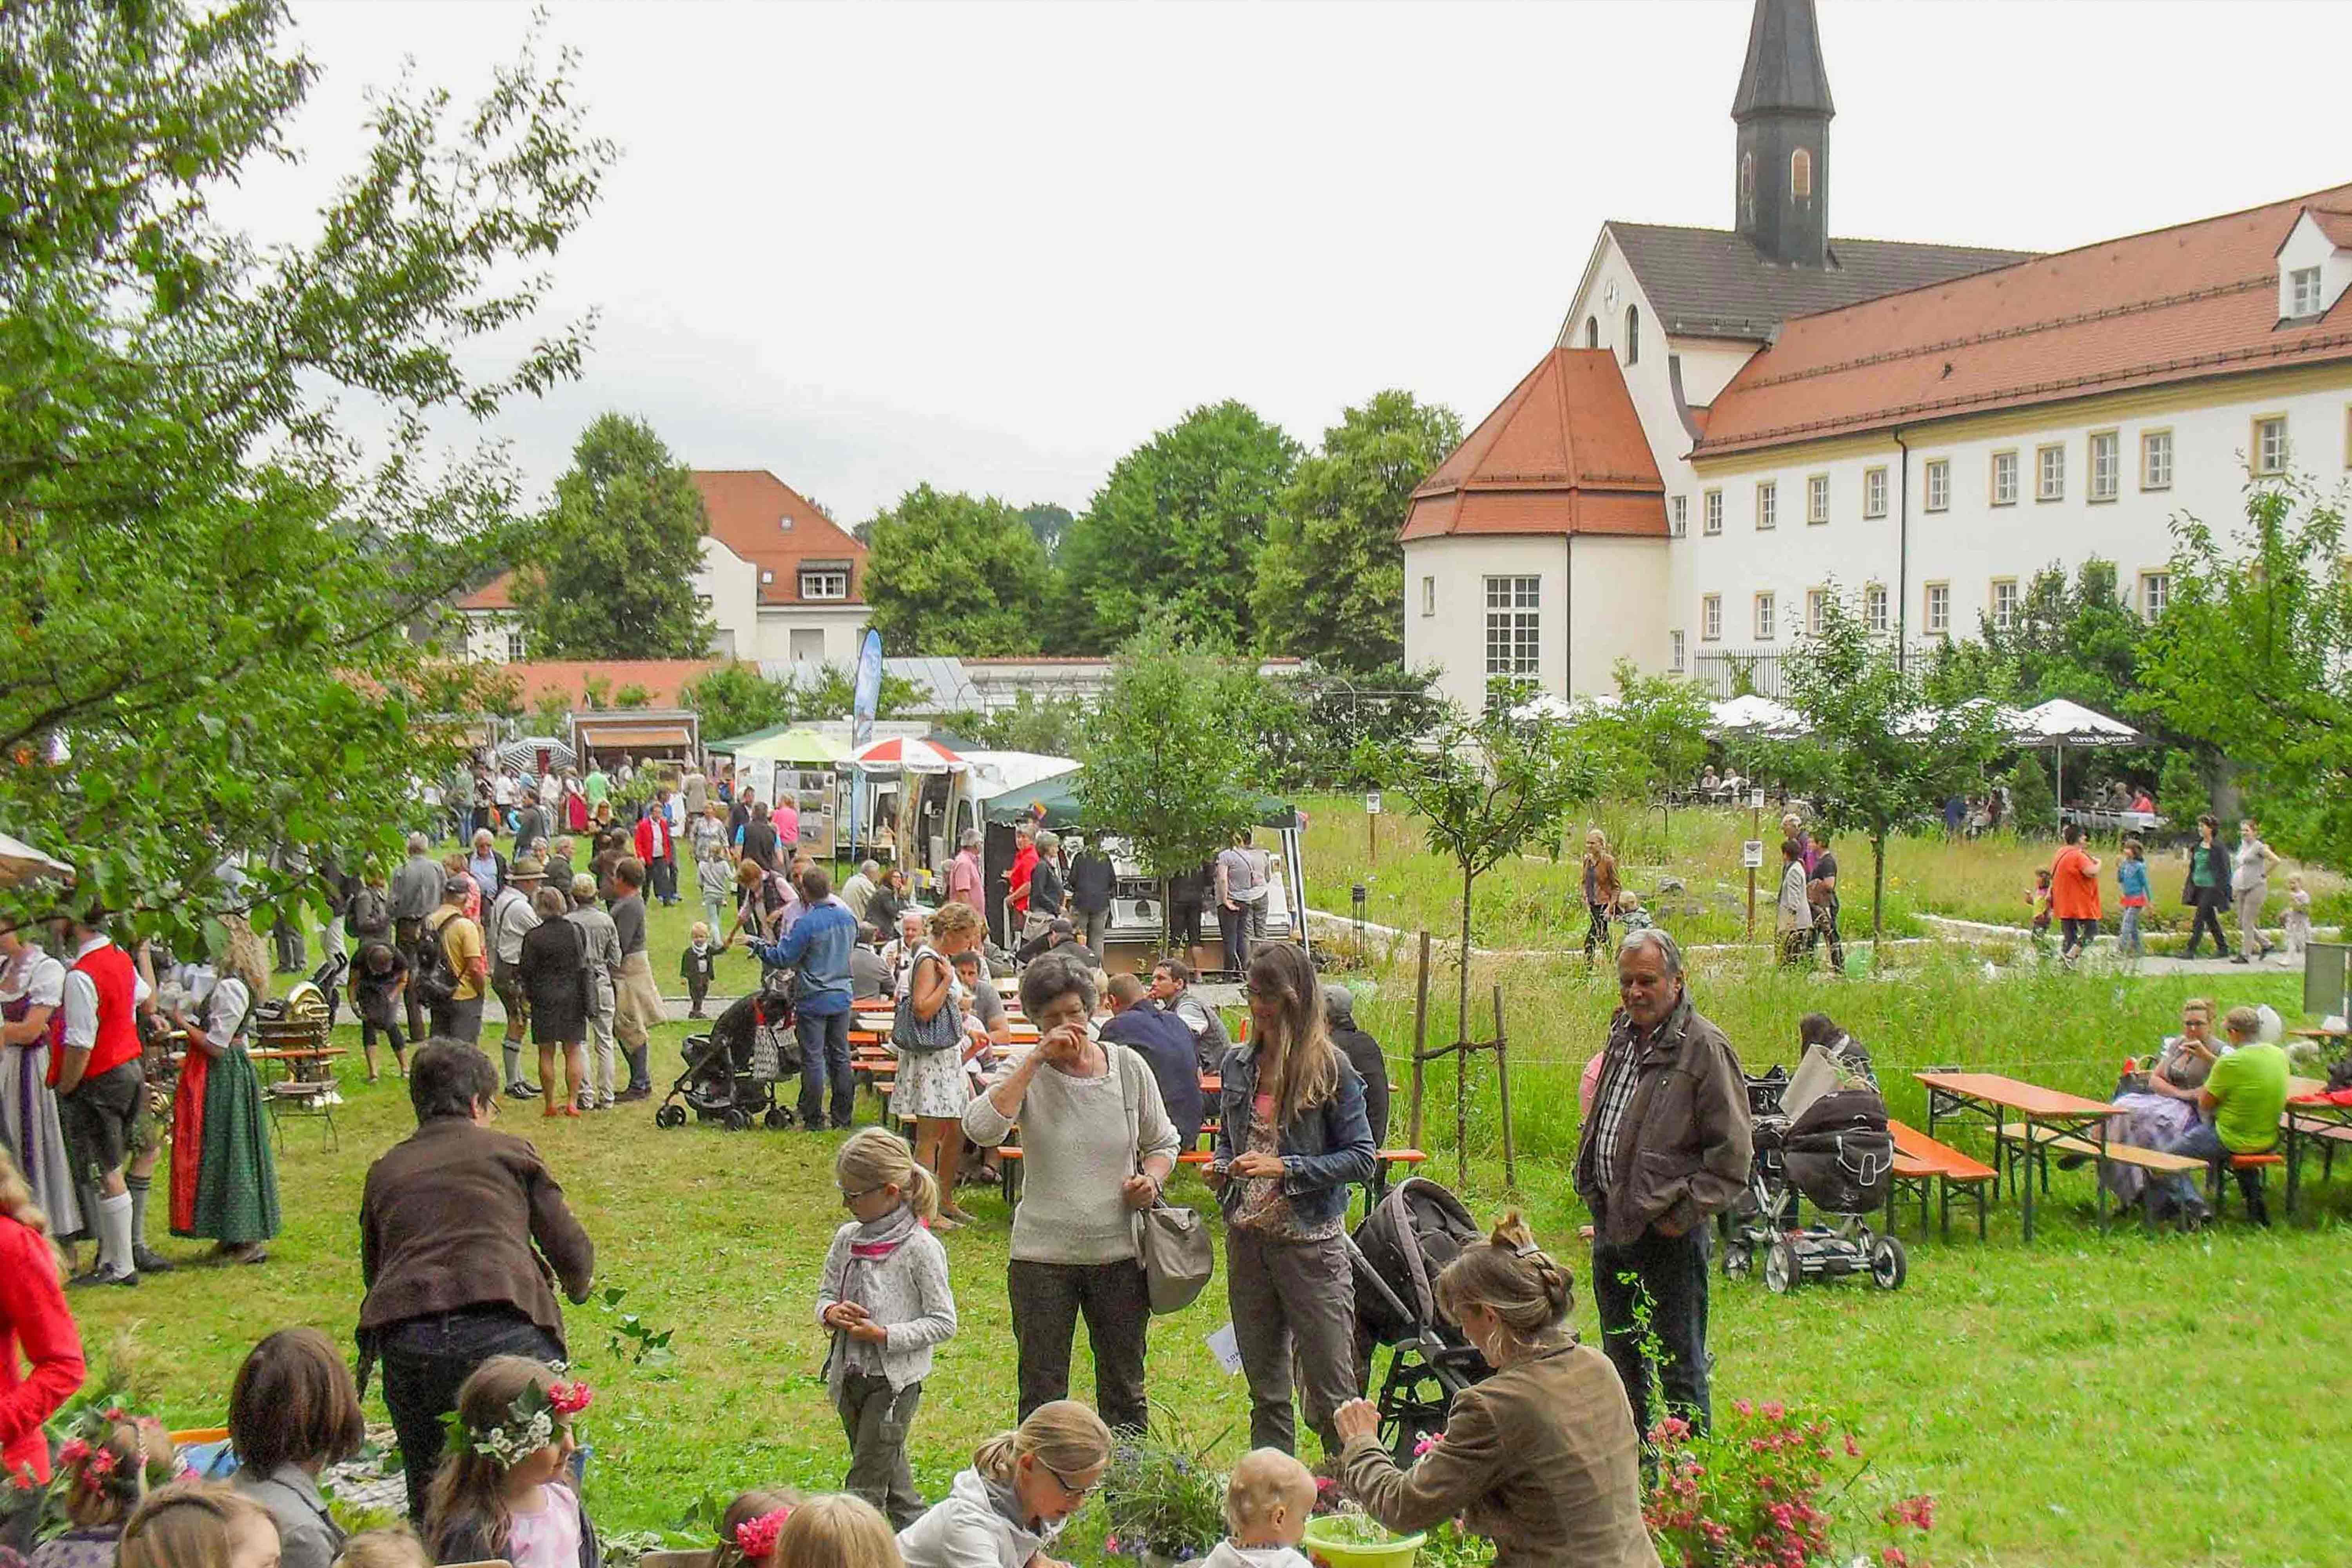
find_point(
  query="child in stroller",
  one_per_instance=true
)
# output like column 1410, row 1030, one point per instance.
column 1821, row 1136
column 731, row 1073
column 1397, row 1254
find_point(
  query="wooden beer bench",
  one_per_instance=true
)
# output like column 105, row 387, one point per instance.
column 1920, row 1161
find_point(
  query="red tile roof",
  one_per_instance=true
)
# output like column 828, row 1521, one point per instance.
column 568, row 678
column 2335, row 226
column 747, row 510
column 1564, row 453
column 2195, row 300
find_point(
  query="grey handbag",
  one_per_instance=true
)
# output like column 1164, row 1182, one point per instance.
column 1172, row 1244
column 943, row 1030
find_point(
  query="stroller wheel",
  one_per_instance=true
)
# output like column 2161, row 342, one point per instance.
column 1888, row 1264
column 736, row 1122
column 1739, row 1259
column 778, row 1119
column 1782, row 1270
column 670, row 1116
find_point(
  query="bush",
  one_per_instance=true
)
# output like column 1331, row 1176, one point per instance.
column 2034, row 808
column 2180, row 790
column 1758, row 1490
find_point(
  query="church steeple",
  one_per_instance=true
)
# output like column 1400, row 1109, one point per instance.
column 1783, row 112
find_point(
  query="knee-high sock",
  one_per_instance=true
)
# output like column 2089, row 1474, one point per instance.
column 513, row 1051
column 114, row 1234
column 138, row 1186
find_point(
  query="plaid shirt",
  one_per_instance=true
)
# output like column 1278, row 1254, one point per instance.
column 1620, row 1075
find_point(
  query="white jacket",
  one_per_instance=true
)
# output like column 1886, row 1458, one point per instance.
column 963, row 1530
column 1228, row 1555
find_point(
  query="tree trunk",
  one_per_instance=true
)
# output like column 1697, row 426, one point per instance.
column 1878, row 895
column 1461, row 1048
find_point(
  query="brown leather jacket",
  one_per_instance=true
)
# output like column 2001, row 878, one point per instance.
column 1683, row 1145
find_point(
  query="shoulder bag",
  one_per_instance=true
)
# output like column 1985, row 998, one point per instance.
column 942, row 1031
column 1171, row 1244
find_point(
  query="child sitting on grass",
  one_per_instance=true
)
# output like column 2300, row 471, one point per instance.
column 837, row 1530
column 504, row 1488
column 1268, row 1499
column 747, row 1530
column 1630, row 915
column 1022, row 1489
column 393, row 1547
column 191, row 1526
column 104, row 1472
column 695, row 966
column 885, row 1297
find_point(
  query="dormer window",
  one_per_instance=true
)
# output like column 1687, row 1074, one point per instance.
column 766, row 577
column 2303, row 292
column 824, row 583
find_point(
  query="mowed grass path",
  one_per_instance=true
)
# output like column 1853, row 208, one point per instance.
column 2117, row 1399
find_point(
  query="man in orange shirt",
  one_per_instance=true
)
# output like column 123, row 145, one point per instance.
column 2074, row 894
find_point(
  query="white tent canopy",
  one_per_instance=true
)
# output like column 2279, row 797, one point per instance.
column 1753, row 715
column 2061, row 723
column 20, row 862
column 995, row 773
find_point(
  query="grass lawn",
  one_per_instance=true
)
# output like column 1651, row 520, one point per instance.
column 2043, row 1394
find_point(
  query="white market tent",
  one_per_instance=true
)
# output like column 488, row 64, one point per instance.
column 1753, row 715
column 2059, row 724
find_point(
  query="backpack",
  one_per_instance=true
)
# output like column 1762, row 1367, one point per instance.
column 370, row 910
column 1838, row 1151
column 435, row 979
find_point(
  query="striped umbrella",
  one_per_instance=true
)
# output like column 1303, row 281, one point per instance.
column 907, row 755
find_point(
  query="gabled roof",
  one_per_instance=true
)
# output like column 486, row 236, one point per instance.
column 2195, row 300
column 1714, row 283
column 2335, row 226
column 1783, row 69
column 1564, row 453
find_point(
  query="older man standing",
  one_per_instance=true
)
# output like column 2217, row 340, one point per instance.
column 506, row 921
column 1665, row 1146
column 963, row 871
column 415, row 893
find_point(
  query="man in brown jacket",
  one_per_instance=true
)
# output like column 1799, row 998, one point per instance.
column 461, row 1232
column 1665, row 1147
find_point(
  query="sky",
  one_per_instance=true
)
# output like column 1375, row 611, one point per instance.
column 993, row 247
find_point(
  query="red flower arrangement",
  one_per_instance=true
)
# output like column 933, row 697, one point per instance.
column 570, row 1398
column 1758, row 1490
column 756, row 1537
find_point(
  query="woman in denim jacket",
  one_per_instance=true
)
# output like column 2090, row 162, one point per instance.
column 1291, row 1139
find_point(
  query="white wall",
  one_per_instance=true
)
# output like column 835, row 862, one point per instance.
column 731, row 585
column 1618, row 597
column 838, row 626
column 1975, row 543
column 1454, row 636
column 485, row 635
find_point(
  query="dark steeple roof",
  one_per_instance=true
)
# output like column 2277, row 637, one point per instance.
column 1784, row 69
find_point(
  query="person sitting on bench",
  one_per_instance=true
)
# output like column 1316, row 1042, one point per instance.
column 2244, row 1095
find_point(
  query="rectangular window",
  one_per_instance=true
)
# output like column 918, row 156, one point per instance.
column 1817, row 498
column 1674, row 651
column 2004, row 604
column 2004, row 478
column 1874, row 609
column 1429, row 595
column 1939, row 485
column 2155, row 460
column 518, row 649
column 1816, row 607
column 2270, row 444
column 2050, row 471
column 1763, row 617
column 2304, row 283
column 1712, row 512
column 1768, row 505
column 824, row 585
column 1512, row 644
column 766, row 577
column 1678, row 517
column 2106, row 465
column 1873, row 492
column 1939, row 609
column 2155, row 593
column 1710, row 618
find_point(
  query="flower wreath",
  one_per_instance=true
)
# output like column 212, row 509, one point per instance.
column 756, row 1537
column 86, row 1464
column 529, row 1426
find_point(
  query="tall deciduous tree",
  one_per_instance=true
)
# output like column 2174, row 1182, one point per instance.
column 2252, row 657
column 952, row 573
column 1330, row 583
column 204, row 580
column 1178, row 526
column 610, row 572
column 1652, row 738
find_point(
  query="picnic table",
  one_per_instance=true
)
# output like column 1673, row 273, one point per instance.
column 2311, row 1116
column 2041, row 1116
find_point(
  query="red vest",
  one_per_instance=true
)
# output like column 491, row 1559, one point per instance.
column 110, row 971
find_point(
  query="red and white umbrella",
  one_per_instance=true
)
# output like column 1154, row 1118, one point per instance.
column 906, row 755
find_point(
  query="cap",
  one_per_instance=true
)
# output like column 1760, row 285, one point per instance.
column 459, row 886
column 1063, row 928
column 527, row 870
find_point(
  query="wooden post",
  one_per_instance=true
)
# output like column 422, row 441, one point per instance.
column 1755, row 831
column 1419, row 1040
column 1462, row 1110
column 1503, row 1087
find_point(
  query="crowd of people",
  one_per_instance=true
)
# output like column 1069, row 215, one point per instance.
column 2217, row 876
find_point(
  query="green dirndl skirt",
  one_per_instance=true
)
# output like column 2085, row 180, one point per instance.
column 236, row 1184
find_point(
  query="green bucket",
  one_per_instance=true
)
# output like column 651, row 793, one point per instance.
column 1325, row 1545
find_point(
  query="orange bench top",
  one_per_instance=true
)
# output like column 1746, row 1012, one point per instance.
column 1917, row 1154
column 1203, row 1156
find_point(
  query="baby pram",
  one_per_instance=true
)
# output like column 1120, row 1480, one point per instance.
column 1397, row 1254
column 731, row 1073
column 1820, row 1137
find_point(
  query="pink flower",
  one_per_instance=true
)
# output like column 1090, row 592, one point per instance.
column 1743, row 1407
column 1110, row 1544
column 73, row 1453
column 756, row 1537
column 1671, row 1429
column 1775, row 1410
column 1426, row 1444
column 569, row 1398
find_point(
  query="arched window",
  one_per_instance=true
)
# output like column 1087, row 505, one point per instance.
column 1800, row 172
column 1592, row 332
column 1632, row 335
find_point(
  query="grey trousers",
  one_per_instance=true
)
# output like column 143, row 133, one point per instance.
column 876, row 1419
column 1293, row 1300
column 1093, row 924
column 2249, row 919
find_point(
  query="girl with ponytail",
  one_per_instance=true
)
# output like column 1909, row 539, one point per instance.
column 1541, row 1458
column 1022, row 1489
column 885, row 1298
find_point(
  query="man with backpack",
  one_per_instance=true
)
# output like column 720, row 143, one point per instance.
column 453, row 969
column 415, row 893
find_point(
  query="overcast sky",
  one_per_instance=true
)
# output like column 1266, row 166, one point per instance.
column 993, row 247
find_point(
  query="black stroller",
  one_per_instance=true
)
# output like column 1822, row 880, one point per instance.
column 1820, row 1137
column 731, row 1073
column 1398, row 1252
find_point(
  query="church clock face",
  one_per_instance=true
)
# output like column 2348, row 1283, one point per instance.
column 1609, row 296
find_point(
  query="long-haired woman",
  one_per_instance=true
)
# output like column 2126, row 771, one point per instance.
column 932, row 1087
column 1292, row 1138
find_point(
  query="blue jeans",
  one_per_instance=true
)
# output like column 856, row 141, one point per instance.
column 2128, row 934
column 825, row 1056
column 424, row 1359
column 2202, row 1141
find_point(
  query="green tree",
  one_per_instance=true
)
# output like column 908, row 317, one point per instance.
column 1880, row 752
column 207, row 583
column 1485, row 788
column 1178, row 526
column 1652, row 739
column 737, row 700
column 1330, row 584
column 2032, row 802
column 2251, row 660
column 611, row 567
column 1049, row 522
column 952, row 573
column 1164, row 758
column 829, row 692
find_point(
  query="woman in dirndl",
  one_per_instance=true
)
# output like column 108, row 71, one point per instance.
column 224, row 1176
column 933, row 1089
column 32, row 998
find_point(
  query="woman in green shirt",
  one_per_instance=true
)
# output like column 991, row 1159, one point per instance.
column 2206, row 890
